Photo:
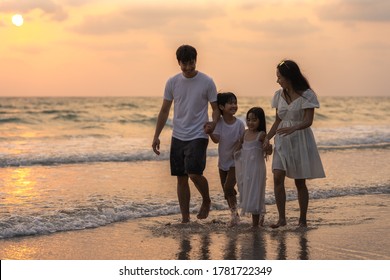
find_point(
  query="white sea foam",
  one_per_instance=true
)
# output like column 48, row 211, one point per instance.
column 102, row 213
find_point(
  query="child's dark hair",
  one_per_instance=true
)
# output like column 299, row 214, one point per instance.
column 186, row 53
column 225, row 97
column 259, row 113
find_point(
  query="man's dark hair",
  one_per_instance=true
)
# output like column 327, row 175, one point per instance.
column 186, row 53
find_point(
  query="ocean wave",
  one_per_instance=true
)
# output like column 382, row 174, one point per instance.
column 138, row 119
column 14, row 121
column 101, row 212
column 68, row 117
column 356, row 147
column 124, row 105
column 78, row 155
column 81, row 217
column 79, row 158
column 78, row 119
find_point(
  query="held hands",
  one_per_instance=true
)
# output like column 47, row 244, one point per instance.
column 156, row 145
column 209, row 127
column 267, row 147
column 237, row 146
column 268, row 150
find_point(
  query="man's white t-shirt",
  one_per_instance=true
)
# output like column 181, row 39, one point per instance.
column 191, row 97
column 229, row 134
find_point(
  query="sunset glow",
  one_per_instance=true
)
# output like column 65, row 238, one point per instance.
column 127, row 48
column 17, row 20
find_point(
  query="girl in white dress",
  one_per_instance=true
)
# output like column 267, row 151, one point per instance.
column 295, row 155
column 250, row 167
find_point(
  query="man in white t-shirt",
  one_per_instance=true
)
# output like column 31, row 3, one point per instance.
column 190, row 91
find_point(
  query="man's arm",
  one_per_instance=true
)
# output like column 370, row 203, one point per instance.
column 161, row 121
column 216, row 112
column 210, row 126
column 214, row 137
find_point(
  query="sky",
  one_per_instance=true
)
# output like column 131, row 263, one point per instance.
column 127, row 47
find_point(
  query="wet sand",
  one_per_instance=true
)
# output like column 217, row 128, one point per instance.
column 343, row 228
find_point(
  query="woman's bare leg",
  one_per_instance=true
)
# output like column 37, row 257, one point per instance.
column 255, row 220
column 280, row 197
column 303, row 199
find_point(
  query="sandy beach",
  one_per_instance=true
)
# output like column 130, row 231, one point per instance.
column 350, row 226
column 341, row 230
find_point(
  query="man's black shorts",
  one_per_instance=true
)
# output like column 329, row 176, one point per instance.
column 188, row 157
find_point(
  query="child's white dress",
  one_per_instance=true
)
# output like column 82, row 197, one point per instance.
column 251, row 177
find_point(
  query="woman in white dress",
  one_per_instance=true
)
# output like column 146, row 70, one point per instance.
column 295, row 154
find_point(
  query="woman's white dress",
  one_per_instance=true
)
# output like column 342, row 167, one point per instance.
column 297, row 153
column 251, row 177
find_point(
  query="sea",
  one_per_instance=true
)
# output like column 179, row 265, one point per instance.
column 74, row 163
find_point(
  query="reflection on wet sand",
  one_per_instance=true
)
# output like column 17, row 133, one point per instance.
column 303, row 242
column 283, row 252
column 253, row 245
column 250, row 244
column 185, row 248
column 231, row 252
column 205, row 247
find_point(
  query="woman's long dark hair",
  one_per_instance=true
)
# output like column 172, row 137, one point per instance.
column 289, row 69
column 260, row 115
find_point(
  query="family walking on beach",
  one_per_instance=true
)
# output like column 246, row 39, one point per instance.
column 241, row 151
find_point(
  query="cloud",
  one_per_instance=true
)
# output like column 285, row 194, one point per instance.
column 78, row 3
column 146, row 18
column 48, row 7
column 30, row 50
column 281, row 28
column 356, row 10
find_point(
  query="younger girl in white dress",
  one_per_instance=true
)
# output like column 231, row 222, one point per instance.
column 250, row 166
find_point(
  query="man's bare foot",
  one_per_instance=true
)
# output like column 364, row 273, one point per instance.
column 204, row 210
column 280, row 223
column 302, row 224
column 185, row 219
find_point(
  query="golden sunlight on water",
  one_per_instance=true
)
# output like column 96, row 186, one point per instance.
column 29, row 134
column 19, row 184
column 20, row 147
column 17, row 252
